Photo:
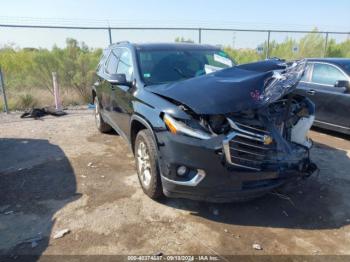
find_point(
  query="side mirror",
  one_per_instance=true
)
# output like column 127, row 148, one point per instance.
column 342, row 83
column 119, row 79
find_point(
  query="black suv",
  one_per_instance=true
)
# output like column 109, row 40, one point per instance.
column 201, row 127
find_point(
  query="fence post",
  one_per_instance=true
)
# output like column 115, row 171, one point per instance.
column 110, row 35
column 268, row 45
column 325, row 46
column 56, row 92
column 199, row 35
column 2, row 89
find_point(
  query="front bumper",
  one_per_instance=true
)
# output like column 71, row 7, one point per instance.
column 212, row 177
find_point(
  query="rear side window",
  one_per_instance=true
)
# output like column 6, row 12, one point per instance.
column 326, row 74
column 112, row 64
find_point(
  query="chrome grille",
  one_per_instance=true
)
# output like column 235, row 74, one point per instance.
column 245, row 146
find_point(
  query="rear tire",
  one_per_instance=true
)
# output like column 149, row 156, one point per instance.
column 101, row 125
column 147, row 164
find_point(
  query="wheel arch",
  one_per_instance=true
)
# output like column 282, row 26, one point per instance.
column 138, row 123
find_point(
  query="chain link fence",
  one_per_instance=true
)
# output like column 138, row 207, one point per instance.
column 30, row 53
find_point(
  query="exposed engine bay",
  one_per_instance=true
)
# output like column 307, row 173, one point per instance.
column 291, row 117
column 277, row 133
column 267, row 126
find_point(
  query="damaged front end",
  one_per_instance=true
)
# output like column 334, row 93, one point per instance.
column 272, row 138
column 260, row 138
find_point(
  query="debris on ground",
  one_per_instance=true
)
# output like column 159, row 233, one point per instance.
column 91, row 165
column 282, row 196
column 158, row 254
column 36, row 113
column 257, row 246
column 236, row 236
column 61, row 233
column 225, row 230
column 9, row 212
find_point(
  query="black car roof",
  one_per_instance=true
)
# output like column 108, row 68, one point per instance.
column 333, row 60
column 166, row 46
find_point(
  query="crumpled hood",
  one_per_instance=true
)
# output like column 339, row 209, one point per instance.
column 234, row 89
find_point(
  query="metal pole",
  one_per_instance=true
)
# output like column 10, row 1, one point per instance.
column 6, row 108
column 325, row 46
column 110, row 35
column 200, row 35
column 268, row 45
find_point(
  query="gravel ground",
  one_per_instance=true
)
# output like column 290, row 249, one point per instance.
column 60, row 173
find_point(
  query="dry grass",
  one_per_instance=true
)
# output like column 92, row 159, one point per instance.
column 21, row 100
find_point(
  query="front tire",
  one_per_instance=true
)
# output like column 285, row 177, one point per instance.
column 147, row 164
column 101, row 125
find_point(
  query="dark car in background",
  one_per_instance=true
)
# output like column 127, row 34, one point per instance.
column 327, row 83
column 201, row 127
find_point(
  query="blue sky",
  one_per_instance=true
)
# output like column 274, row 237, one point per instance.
column 253, row 14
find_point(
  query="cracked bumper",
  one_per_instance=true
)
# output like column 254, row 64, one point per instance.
column 218, row 181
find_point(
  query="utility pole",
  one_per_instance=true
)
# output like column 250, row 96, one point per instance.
column 268, row 45
column 110, row 35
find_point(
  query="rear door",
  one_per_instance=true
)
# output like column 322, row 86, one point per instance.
column 106, row 88
column 332, row 103
column 100, row 81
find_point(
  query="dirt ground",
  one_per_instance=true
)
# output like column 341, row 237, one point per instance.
column 60, row 173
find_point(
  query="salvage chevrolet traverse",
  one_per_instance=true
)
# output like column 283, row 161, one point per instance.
column 201, row 127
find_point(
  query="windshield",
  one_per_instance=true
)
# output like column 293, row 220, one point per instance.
column 164, row 66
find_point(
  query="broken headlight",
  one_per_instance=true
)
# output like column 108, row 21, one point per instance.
column 218, row 124
column 179, row 127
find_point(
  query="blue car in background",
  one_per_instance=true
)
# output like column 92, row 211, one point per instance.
column 326, row 82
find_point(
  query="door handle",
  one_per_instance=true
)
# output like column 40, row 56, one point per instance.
column 311, row 92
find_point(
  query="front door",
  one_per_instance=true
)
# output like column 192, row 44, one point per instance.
column 332, row 103
column 121, row 96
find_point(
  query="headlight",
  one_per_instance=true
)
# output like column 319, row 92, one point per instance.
column 177, row 127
